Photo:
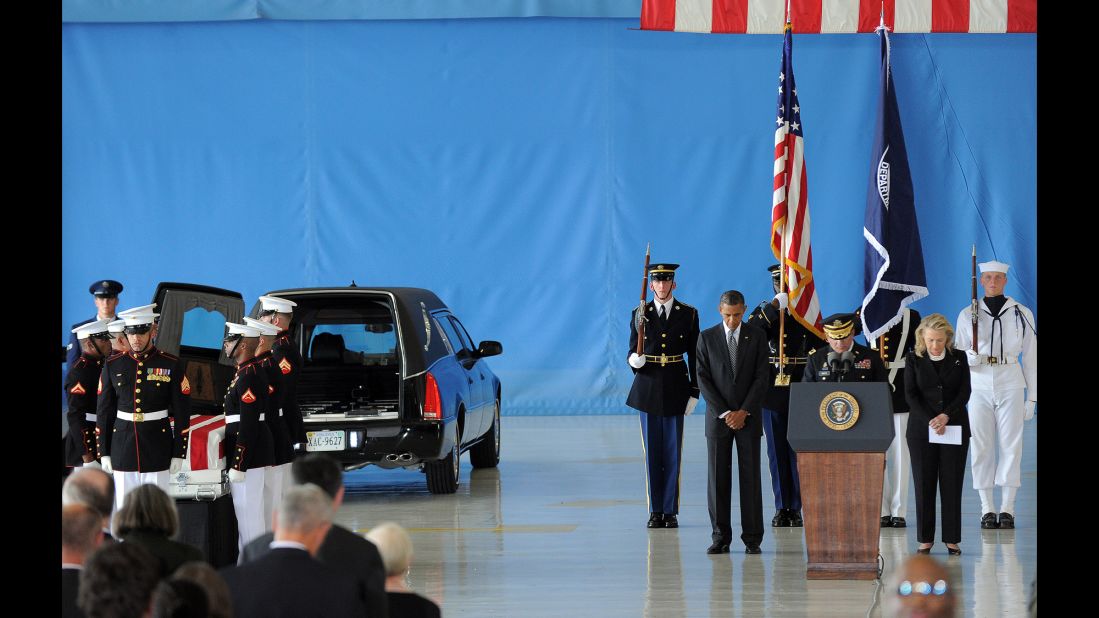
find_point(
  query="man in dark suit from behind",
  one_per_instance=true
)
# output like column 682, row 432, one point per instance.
column 733, row 378
column 342, row 549
column 288, row 581
column 93, row 488
column 80, row 536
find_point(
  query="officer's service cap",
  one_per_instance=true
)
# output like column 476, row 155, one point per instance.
column 994, row 267
column 662, row 271
column 116, row 327
column 274, row 304
column 97, row 329
column 105, row 288
column 841, row 325
column 775, row 270
column 236, row 331
column 136, row 310
column 264, row 328
column 135, row 322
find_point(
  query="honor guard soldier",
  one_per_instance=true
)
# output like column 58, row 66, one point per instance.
column 287, row 358
column 1004, row 376
column 789, row 352
column 80, row 387
column 273, row 484
column 892, row 347
column 106, row 293
column 248, row 443
column 119, row 343
column 139, row 392
column 665, row 388
column 843, row 360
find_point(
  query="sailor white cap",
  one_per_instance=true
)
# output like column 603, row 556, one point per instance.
column 140, row 319
column 241, row 330
column 98, row 327
column 994, row 267
column 263, row 327
column 136, row 310
column 276, row 304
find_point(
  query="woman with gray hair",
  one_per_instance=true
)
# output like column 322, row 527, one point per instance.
column 396, row 549
column 148, row 518
column 936, row 385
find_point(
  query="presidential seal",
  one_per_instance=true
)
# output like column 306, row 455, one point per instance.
column 839, row 410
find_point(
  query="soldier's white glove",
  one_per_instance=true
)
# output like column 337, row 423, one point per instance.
column 783, row 300
column 93, row 464
column 691, row 403
column 236, row 476
column 637, row 361
column 105, row 461
column 175, row 466
column 1028, row 408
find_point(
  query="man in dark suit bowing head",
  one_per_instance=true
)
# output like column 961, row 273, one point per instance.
column 733, row 378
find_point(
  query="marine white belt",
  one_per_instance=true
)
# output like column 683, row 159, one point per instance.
column 142, row 416
column 895, row 364
column 235, row 418
column 91, row 418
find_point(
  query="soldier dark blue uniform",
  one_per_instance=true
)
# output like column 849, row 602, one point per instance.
column 285, row 356
column 81, row 385
column 274, row 484
column 138, row 393
column 865, row 364
column 782, row 460
column 664, row 385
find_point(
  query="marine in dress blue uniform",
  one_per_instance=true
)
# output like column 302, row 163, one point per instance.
column 665, row 385
column 274, row 484
column 285, row 356
column 140, row 394
column 81, row 384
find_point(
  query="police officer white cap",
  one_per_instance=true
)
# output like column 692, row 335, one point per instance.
column 137, row 310
column 98, row 327
column 994, row 267
column 276, row 304
column 264, row 328
column 240, row 330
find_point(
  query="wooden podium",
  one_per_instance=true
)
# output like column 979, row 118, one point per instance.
column 841, row 431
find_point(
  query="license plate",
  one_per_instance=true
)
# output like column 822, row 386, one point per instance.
column 324, row 440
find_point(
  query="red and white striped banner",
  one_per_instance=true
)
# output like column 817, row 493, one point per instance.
column 206, row 450
column 839, row 16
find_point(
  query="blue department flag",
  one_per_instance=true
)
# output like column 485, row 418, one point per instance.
column 893, row 273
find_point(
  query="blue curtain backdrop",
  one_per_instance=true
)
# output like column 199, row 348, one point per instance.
column 517, row 167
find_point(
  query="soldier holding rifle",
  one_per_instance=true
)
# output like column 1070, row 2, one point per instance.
column 1000, row 340
column 663, row 335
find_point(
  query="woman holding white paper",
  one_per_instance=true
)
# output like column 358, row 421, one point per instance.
column 936, row 385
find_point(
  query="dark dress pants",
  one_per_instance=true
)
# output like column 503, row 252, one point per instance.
column 663, row 443
column 719, row 463
column 942, row 466
column 782, row 460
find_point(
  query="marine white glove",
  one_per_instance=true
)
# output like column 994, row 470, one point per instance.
column 691, row 403
column 1028, row 408
column 236, row 476
column 175, row 466
column 93, row 464
column 105, row 461
column 637, row 361
column 783, row 300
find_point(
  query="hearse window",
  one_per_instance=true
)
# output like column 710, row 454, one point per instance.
column 203, row 329
column 354, row 344
column 453, row 338
column 467, row 342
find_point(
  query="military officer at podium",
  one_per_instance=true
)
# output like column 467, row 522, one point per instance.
column 665, row 388
column 843, row 360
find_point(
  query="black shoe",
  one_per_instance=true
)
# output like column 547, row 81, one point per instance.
column 1007, row 521
column 988, row 521
column 670, row 521
column 718, row 548
column 752, row 549
column 781, row 519
column 923, row 550
column 886, row 521
column 954, row 551
column 656, row 520
column 898, row 522
column 795, row 518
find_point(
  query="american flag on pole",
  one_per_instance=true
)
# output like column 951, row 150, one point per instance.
column 790, row 201
column 893, row 272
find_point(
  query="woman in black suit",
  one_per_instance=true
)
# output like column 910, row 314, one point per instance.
column 936, row 385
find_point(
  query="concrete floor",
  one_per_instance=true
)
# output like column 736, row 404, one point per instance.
column 559, row 530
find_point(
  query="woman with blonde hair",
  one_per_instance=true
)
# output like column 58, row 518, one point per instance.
column 936, row 385
column 396, row 549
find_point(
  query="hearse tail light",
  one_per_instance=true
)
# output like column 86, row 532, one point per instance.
column 433, row 409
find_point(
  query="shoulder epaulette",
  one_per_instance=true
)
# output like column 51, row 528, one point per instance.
column 686, row 305
column 171, row 357
column 115, row 356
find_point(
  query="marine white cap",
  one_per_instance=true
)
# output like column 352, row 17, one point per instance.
column 994, row 267
column 242, row 330
column 263, row 327
column 140, row 319
column 91, row 328
column 116, row 327
column 279, row 305
column 136, row 310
